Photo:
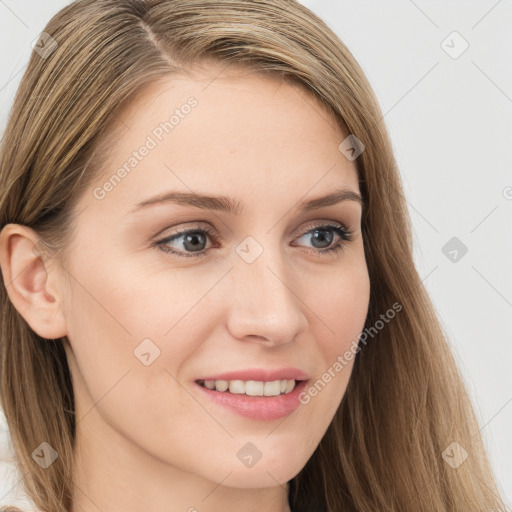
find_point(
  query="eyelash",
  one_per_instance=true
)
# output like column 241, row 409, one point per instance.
column 344, row 233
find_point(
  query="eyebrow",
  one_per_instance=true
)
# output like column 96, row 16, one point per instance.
column 226, row 204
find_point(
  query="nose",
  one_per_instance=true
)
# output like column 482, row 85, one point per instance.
column 265, row 307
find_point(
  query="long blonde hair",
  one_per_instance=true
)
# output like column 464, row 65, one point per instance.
column 405, row 403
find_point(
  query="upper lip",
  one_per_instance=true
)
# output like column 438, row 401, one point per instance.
column 260, row 374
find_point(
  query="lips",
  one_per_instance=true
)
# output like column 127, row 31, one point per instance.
column 260, row 408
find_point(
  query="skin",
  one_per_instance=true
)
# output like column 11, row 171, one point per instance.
column 147, row 438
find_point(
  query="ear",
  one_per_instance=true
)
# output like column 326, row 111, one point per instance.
column 32, row 281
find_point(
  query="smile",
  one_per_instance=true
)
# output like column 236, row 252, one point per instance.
column 267, row 402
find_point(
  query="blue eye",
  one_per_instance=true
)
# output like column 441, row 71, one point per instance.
column 190, row 237
column 193, row 240
column 318, row 234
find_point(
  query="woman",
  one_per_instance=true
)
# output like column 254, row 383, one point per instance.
column 209, row 297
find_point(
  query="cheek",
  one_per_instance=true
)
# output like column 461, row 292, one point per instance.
column 118, row 323
column 342, row 305
column 121, row 317
column 110, row 311
column 340, row 310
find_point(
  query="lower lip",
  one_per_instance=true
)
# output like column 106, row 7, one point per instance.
column 263, row 408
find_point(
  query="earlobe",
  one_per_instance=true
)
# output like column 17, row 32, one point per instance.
column 31, row 281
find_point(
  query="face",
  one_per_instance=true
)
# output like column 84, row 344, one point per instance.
column 165, row 295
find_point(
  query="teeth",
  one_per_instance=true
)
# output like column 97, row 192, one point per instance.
column 251, row 387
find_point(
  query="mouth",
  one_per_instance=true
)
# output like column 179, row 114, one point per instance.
column 257, row 400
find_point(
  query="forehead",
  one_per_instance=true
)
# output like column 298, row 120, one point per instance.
column 229, row 96
column 226, row 128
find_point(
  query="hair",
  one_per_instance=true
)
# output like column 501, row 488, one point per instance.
column 405, row 402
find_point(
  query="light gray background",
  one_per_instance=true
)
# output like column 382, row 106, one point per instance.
column 450, row 120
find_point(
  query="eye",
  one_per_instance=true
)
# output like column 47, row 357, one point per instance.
column 322, row 235
column 193, row 240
